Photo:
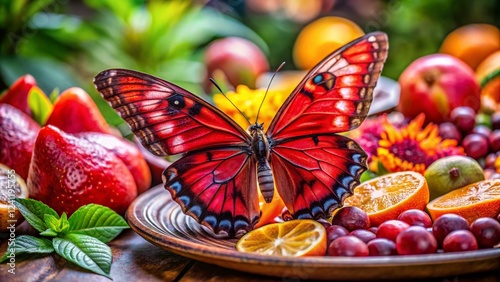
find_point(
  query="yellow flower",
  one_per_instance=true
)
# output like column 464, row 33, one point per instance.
column 248, row 101
column 412, row 147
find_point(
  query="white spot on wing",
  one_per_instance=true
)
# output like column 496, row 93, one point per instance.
column 343, row 106
column 338, row 63
column 177, row 140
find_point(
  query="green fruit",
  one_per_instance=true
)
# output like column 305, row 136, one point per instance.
column 483, row 119
column 450, row 173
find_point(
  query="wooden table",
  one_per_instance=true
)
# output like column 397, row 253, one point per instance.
column 135, row 259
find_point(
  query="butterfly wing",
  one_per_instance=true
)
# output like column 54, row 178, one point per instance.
column 314, row 174
column 166, row 118
column 314, row 168
column 214, row 182
column 217, row 188
column 334, row 96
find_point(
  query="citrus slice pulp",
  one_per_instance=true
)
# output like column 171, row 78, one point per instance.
column 385, row 197
column 480, row 199
column 295, row 238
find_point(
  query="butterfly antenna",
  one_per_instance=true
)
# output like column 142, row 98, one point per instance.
column 221, row 92
column 265, row 94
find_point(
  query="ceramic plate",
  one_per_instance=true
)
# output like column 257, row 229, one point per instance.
column 157, row 218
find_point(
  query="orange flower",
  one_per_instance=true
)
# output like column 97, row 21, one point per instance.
column 412, row 147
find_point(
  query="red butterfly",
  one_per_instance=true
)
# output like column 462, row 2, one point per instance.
column 215, row 181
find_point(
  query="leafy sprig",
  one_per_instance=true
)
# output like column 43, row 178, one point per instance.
column 80, row 239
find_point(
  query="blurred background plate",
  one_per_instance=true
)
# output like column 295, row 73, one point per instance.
column 157, row 218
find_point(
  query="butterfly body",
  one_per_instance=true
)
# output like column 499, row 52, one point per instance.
column 261, row 151
column 300, row 154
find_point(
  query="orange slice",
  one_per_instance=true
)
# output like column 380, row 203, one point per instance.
column 269, row 211
column 294, row 238
column 480, row 199
column 385, row 197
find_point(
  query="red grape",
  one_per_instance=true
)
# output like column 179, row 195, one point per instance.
column 382, row 247
column 495, row 120
column 448, row 130
column 490, row 159
column 475, row 145
column 325, row 222
column 351, row 218
column 391, row 229
column 349, row 246
column 495, row 140
column 459, row 241
column 335, row 231
column 363, row 234
column 416, row 217
column 416, row 240
column 447, row 223
column 483, row 130
column 464, row 118
column 487, row 231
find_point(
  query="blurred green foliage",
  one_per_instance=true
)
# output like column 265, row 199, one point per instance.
column 163, row 38
column 65, row 43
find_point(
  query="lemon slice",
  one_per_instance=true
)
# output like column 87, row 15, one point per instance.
column 295, row 238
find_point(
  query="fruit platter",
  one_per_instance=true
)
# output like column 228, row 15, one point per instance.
column 162, row 223
column 344, row 165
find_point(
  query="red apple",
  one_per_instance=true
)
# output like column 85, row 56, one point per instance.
column 435, row 85
column 239, row 60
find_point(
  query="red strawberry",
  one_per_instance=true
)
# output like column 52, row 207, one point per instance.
column 17, row 95
column 75, row 111
column 127, row 152
column 17, row 139
column 67, row 172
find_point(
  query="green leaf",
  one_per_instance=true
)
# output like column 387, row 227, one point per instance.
column 40, row 105
column 85, row 251
column 367, row 175
column 26, row 244
column 381, row 170
column 58, row 225
column 53, row 95
column 51, row 221
column 49, row 232
column 97, row 221
column 63, row 222
column 492, row 75
column 34, row 212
